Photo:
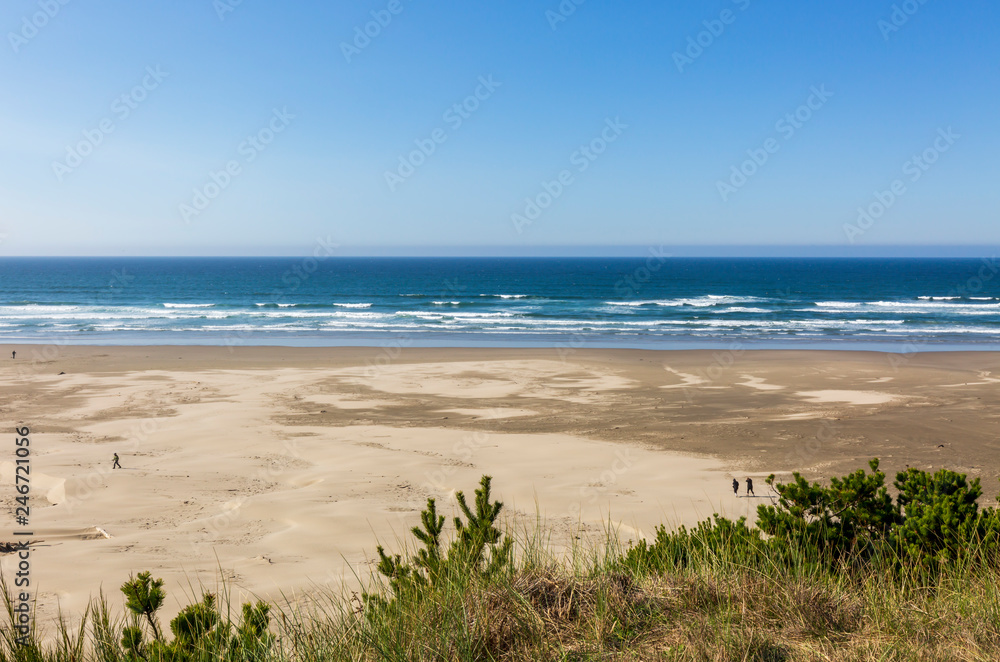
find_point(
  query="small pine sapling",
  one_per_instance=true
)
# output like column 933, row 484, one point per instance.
column 199, row 630
column 144, row 596
column 477, row 540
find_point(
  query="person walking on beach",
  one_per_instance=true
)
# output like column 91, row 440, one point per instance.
column 736, row 486
column 13, row 354
column 750, row 487
column 116, row 465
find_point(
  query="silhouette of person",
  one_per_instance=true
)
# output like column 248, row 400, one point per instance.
column 116, row 465
column 736, row 486
column 13, row 354
column 750, row 487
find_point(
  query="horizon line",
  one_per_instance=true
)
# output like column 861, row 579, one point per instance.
column 329, row 250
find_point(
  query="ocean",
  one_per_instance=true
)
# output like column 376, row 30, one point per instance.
column 656, row 302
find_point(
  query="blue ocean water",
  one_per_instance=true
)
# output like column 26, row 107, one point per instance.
column 652, row 302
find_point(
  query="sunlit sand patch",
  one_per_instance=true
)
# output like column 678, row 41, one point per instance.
column 687, row 379
column 983, row 374
column 759, row 383
column 850, row 397
column 880, row 380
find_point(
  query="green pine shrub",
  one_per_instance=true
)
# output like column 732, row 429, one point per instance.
column 200, row 632
column 933, row 523
column 846, row 521
column 478, row 550
column 939, row 514
column 718, row 539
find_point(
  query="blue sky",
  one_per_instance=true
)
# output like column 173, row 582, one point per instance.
column 605, row 126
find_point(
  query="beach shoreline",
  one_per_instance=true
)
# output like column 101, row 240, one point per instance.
column 555, row 342
column 279, row 469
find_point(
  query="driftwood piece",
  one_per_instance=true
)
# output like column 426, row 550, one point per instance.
column 11, row 547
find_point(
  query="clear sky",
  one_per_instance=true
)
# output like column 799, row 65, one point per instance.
column 541, row 124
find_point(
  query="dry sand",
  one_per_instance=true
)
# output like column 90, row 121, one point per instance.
column 279, row 469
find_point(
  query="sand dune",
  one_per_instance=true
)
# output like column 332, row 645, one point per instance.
column 278, row 470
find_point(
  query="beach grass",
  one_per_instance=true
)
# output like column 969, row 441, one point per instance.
column 721, row 591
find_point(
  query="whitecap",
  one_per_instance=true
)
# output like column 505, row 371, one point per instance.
column 697, row 302
column 839, row 304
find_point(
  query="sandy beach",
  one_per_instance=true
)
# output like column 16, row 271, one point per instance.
column 280, row 469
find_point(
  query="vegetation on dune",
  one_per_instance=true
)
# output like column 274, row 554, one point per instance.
column 844, row 571
column 200, row 632
column 478, row 551
column 934, row 525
